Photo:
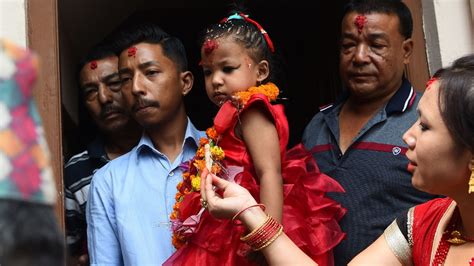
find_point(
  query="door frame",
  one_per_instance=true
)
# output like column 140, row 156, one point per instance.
column 42, row 38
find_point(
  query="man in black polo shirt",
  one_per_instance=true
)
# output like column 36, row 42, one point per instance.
column 100, row 87
column 357, row 140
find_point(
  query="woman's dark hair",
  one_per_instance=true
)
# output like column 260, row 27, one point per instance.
column 131, row 33
column 250, row 37
column 396, row 7
column 456, row 100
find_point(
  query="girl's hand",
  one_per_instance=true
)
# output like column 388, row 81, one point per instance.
column 235, row 197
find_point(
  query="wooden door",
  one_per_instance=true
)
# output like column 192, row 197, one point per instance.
column 42, row 33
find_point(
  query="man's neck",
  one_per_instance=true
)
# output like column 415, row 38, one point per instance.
column 355, row 114
column 168, row 137
column 121, row 141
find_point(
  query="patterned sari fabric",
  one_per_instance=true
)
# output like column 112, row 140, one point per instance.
column 25, row 173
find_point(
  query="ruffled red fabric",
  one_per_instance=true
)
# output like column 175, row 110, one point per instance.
column 310, row 218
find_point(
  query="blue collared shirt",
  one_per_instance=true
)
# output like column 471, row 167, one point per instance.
column 130, row 201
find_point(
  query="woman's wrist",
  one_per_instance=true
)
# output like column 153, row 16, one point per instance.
column 252, row 217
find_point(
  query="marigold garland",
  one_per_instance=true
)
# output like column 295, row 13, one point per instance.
column 269, row 89
column 192, row 175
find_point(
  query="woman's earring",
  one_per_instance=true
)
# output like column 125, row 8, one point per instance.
column 471, row 180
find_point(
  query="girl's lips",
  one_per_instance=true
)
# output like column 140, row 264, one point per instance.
column 411, row 167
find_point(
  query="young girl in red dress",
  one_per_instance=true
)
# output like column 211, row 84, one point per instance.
column 248, row 144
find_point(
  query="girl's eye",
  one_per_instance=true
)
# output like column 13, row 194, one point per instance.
column 228, row 69
column 206, row 72
column 423, row 127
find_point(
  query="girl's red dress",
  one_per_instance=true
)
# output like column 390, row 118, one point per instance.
column 310, row 218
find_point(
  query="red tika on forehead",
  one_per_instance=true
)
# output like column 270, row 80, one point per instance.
column 93, row 65
column 430, row 82
column 360, row 22
column 209, row 46
column 132, row 51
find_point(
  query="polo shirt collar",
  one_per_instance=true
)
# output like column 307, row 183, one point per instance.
column 401, row 101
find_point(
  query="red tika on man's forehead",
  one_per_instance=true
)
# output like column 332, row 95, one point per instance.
column 93, row 65
column 132, row 51
column 360, row 22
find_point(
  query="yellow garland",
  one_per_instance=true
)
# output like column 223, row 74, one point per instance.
column 192, row 178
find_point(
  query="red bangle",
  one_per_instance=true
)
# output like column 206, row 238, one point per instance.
column 246, row 208
column 263, row 235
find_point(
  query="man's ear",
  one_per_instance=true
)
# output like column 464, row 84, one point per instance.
column 407, row 50
column 263, row 70
column 187, row 80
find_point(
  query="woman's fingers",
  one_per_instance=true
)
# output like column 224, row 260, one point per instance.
column 204, row 175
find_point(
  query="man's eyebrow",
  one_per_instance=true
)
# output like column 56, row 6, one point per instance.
column 148, row 64
column 378, row 35
column 110, row 76
column 349, row 35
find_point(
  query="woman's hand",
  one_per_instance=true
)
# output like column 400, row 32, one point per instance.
column 234, row 199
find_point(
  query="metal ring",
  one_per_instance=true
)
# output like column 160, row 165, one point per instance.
column 204, row 203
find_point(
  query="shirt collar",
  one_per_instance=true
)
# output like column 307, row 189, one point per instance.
column 401, row 101
column 191, row 135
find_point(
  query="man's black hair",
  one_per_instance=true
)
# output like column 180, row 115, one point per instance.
column 131, row 33
column 395, row 7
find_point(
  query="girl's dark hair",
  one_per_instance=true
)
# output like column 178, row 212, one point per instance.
column 396, row 7
column 456, row 100
column 250, row 37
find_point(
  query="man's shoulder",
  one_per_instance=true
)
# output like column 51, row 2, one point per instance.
column 116, row 166
column 316, row 126
column 77, row 158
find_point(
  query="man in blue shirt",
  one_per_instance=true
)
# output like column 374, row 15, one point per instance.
column 132, row 197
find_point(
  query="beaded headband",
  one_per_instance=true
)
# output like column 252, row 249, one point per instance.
column 251, row 21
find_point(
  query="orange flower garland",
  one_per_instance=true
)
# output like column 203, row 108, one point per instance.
column 192, row 176
column 269, row 89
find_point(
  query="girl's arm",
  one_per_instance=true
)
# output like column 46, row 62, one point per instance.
column 261, row 138
column 282, row 251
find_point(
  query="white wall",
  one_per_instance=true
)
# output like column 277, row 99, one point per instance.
column 13, row 21
column 455, row 29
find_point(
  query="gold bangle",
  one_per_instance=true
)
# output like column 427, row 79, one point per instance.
column 271, row 240
column 249, row 235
